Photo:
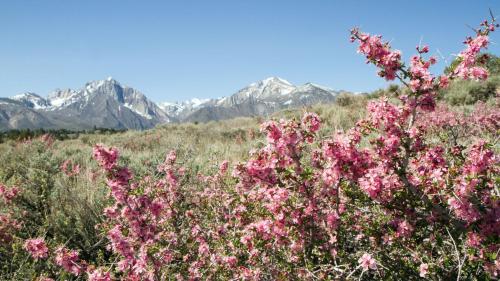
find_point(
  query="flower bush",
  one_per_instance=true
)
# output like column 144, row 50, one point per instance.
column 410, row 191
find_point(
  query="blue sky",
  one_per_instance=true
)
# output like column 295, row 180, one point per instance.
column 176, row 50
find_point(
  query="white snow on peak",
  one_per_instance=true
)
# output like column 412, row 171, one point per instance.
column 57, row 102
column 26, row 95
column 61, row 98
column 35, row 100
column 321, row 87
column 270, row 80
column 276, row 79
column 195, row 102
column 20, row 96
column 221, row 100
column 166, row 103
column 95, row 85
column 131, row 107
column 266, row 88
column 192, row 103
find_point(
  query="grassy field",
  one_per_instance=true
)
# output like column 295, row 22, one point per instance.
column 66, row 208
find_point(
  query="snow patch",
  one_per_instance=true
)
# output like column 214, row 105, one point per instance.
column 145, row 115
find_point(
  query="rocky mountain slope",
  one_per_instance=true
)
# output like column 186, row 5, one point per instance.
column 104, row 104
column 108, row 104
column 257, row 99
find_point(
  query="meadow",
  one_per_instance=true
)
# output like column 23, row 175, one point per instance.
column 399, row 184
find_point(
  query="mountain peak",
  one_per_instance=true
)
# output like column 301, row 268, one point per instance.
column 31, row 100
column 275, row 79
column 310, row 85
column 25, row 95
column 106, row 103
column 96, row 84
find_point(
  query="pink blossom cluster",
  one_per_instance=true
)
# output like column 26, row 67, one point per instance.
column 47, row 139
column 421, row 78
column 484, row 119
column 69, row 168
column 138, row 222
column 36, row 247
column 471, row 200
column 367, row 262
column 106, row 157
column 378, row 53
column 467, row 68
column 69, row 260
column 8, row 223
column 8, row 194
column 99, row 274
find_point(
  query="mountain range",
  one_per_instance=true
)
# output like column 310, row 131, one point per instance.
column 109, row 104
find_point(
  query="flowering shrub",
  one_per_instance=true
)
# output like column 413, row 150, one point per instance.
column 406, row 192
column 36, row 247
column 8, row 223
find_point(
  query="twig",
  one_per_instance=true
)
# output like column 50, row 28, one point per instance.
column 457, row 253
column 352, row 272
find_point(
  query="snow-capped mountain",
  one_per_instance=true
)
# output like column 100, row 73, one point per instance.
column 177, row 108
column 32, row 100
column 259, row 98
column 271, row 87
column 109, row 104
column 17, row 114
column 102, row 103
column 61, row 98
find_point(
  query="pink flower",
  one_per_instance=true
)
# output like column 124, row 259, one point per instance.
column 367, row 262
column 171, row 157
column 204, row 249
column 466, row 69
column 480, row 41
column 473, row 240
column 99, row 275
column 231, row 261
column 423, row 269
column 70, row 172
column 273, row 131
column 311, row 122
column 414, row 85
column 444, row 81
column 69, row 260
column 223, row 167
column 479, row 73
column 111, row 212
column 119, row 243
column 379, row 53
column 107, row 157
column 37, row 248
column 404, row 229
column 424, row 49
column 8, row 194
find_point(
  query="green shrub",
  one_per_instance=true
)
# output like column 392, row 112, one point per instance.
column 470, row 92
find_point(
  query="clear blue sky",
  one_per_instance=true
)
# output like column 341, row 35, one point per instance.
column 175, row 50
